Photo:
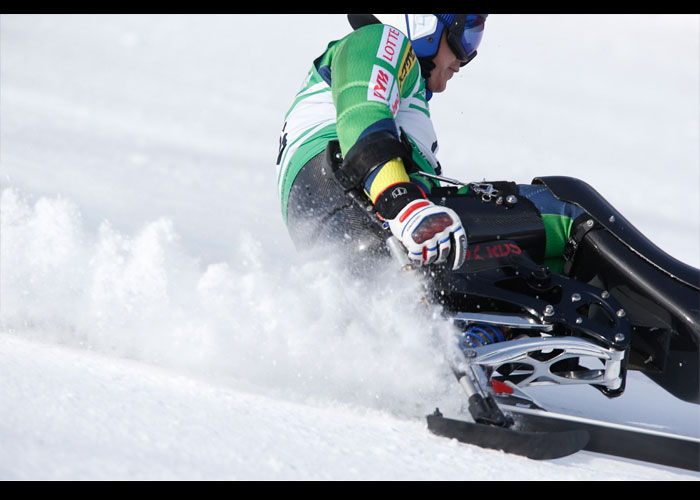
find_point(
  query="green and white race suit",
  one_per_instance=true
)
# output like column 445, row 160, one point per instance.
column 368, row 82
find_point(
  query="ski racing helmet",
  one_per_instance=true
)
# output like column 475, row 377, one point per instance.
column 464, row 31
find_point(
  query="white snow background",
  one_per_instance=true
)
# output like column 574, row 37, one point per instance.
column 155, row 319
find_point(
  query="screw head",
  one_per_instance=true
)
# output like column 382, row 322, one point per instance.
column 575, row 297
column 549, row 310
column 619, row 337
column 621, row 313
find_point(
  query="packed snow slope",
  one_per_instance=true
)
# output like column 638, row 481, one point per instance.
column 155, row 319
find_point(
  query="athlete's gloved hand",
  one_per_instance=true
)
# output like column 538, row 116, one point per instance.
column 429, row 232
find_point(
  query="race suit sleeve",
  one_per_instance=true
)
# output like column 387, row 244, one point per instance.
column 372, row 71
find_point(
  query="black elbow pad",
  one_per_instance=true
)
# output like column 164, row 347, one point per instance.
column 366, row 155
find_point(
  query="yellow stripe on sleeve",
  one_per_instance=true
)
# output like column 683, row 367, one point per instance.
column 390, row 173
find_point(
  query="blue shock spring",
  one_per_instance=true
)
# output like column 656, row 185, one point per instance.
column 480, row 335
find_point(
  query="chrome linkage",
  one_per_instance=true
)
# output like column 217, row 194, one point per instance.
column 536, row 360
column 503, row 319
column 442, row 178
column 486, row 190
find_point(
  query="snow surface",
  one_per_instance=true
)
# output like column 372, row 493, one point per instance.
column 155, row 319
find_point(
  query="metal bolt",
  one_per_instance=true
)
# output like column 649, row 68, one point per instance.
column 575, row 297
column 619, row 337
column 579, row 321
column 621, row 313
column 589, row 222
column 549, row 310
column 511, row 199
column 605, row 294
column 612, row 218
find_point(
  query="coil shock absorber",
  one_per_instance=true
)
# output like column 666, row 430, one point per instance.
column 482, row 406
column 480, row 334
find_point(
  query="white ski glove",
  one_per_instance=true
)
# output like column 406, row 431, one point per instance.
column 426, row 230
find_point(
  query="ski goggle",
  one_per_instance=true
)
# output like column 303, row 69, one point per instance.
column 464, row 35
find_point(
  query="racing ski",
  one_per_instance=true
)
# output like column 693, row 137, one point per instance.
column 540, row 445
column 542, row 435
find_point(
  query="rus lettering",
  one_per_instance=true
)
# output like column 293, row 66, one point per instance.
column 473, row 253
column 501, row 250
